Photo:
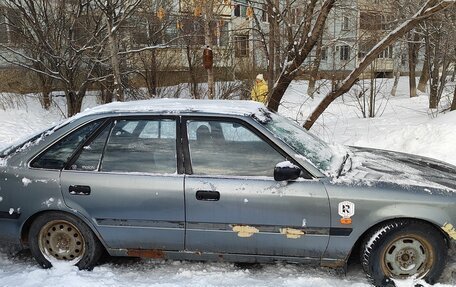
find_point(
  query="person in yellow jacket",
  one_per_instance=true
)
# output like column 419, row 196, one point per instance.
column 260, row 90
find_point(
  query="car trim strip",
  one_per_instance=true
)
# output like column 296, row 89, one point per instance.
column 333, row 231
column 8, row 215
column 140, row 223
column 206, row 226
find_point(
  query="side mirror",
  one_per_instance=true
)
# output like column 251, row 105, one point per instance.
column 285, row 171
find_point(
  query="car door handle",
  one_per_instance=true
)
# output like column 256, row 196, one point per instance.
column 207, row 195
column 79, row 189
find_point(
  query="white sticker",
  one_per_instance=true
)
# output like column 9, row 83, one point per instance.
column 346, row 209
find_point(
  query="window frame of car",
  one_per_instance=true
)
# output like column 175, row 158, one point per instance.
column 256, row 130
column 108, row 121
column 63, row 136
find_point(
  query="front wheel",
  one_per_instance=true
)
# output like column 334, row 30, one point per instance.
column 57, row 237
column 404, row 249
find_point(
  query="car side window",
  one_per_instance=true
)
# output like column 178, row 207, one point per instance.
column 143, row 146
column 229, row 148
column 90, row 155
column 58, row 154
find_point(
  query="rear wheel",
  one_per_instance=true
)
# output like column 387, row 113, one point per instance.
column 55, row 237
column 404, row 249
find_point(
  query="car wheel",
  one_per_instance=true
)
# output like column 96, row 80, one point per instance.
column 56, row 237
column 404, row 249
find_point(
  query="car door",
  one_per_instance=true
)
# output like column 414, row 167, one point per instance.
column 234, row 205
column 125, row 180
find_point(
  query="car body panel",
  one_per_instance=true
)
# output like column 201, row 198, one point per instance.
column 376, row 204
column 131, row 210
column 257, row 216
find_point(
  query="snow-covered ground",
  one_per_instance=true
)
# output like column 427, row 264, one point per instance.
column 403, row 124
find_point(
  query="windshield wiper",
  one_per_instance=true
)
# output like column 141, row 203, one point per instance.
column 341, row 168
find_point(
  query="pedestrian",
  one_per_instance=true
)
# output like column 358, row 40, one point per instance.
column 260, row 90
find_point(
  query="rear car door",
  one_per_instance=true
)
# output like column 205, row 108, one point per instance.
column 125, row 180
column 234, row 205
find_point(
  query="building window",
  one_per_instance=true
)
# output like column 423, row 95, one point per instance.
column 370, row 21
column 324, row 53
column 241, row 44
column 404, row 59
column 344, row 53
column 345, row 23
column 387, row 21
column 295, row 16
column 240, row 9
column 387, row 53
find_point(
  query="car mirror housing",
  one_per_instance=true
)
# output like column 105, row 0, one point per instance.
column 286, row 171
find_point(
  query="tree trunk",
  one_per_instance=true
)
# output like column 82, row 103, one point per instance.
column 271, row 52
column 74, row 103
column 46, row 90
column 114, row 54
column 453, row 104
column 191, row 69
column 106, row 93
column 397, row 76
column 315, row 68
column 153, row 75
column 45, row 99
column 208, row 42
column 412, row 53
column 425, row 73
column 445, row 66
column 434, row 74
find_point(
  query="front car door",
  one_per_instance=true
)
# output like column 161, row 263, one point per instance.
column 125, row 180
column 234, row 205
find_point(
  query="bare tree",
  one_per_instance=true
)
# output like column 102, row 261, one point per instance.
column 428, row 9
column 65, row 40
column 115, row 13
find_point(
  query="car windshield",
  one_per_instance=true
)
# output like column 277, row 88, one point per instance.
column 319, row 153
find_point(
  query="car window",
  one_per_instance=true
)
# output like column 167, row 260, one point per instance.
column 142, row 146
column 90, row 155
column 57, row 155
column 227, row 148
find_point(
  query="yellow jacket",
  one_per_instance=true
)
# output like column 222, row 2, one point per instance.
column 260, row 92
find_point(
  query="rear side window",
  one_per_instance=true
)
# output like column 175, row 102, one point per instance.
column 58, row 155
column 90, row 155
column 144, row 146
column 132, row 146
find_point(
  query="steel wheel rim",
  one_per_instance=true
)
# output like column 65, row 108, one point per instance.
column 62, row 241
column 407, row 256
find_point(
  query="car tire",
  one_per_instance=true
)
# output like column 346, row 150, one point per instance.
column 56, row 236
column 404, row 249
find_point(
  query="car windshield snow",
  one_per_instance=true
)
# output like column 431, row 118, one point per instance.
column 319, row 153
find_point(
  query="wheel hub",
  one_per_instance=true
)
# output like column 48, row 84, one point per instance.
column 61, row 240
column 406, row 257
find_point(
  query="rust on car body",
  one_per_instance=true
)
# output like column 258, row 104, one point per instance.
column 146, row 253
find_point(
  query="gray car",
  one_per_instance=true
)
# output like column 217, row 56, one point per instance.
column 222, row 180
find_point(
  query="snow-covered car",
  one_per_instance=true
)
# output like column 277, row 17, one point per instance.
column 222, row 180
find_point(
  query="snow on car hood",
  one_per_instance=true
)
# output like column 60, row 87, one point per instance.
column 373, row 165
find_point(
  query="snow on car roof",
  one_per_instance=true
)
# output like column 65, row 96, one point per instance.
column 179, row 105
column 173, row 106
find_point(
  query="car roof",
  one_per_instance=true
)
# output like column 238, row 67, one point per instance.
column 172, row 106
column 169, row 106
